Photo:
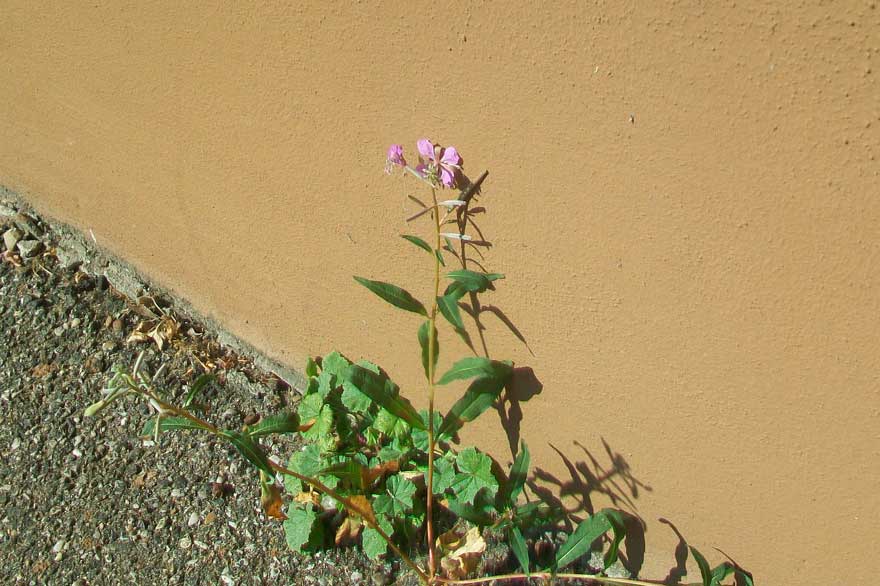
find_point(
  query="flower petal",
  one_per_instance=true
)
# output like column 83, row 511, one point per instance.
column 451, row 157
column 395, row 155
column 447, row 177
column 426, row 149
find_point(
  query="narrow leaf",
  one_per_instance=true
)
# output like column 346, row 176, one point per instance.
column 481, row 394
column 705, row 572
column 448, row 305
column 471, row 280
column 519, row 547
column 280, row 423
column 250, row 449
column 168, row 424
column 720, row 572
column 394, row 295
column 618, row 529
column 476, row 367
column 518, row 473
column 579, row 542
column 430, row 364
column 418, row 242
column 384, row 393
column 198, row 385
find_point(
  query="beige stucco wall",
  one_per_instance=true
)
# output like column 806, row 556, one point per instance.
column 699, row 287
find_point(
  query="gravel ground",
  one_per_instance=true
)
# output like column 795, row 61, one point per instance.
column 85, row 501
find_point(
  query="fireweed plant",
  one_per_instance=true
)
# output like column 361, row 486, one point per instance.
column 374, row 469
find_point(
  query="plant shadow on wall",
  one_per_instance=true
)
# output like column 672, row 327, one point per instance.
column 375, row 471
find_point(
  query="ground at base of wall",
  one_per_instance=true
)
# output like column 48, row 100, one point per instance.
column 86, row 501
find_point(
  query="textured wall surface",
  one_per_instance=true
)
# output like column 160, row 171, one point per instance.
column 699, row 284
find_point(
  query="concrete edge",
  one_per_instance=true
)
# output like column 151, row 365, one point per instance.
column 73, row 248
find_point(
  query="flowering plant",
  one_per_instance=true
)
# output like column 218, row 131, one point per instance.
column 374, row 469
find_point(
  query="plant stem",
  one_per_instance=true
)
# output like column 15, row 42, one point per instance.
column 364, row 513
column 548, row 576
column 432, row 321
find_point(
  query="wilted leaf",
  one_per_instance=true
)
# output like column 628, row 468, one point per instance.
column 270, row 498
column 461, row 553
column 348, row 531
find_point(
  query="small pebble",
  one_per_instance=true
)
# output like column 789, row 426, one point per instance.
column 185, row 543
column 74, row 323
column 117, row 326
column 193, row 520
column 176, row 493
column 108, row 346
column 59, row 331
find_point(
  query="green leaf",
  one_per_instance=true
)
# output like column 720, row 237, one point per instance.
column 280, row 423
column 455, row 290
column 394, row 295
column 439, row 256
column 198, row 385
column 335, row 364
column 705, row 572
column 326, row 383
column 168, row 424
column 354, row 400
column 473, row 281
column 579, row 542
column 428, row 364
column 349, row 470
column 475, row 474
column 618, row 529
column 480, row 513
column 311, row 367
column 298, row 527
column 481, row 394
column 250, row 449
column 307, row 462
column 519, row 471
column 373, row 543
column 420, row 436
column 397, row 498
column 519, row 547
column 384, row 393
column 444, row 474
column 312, row 410
column 720, row 572
column 418, row 242
column 477, row 367
column 448, row 305
column 390, row 424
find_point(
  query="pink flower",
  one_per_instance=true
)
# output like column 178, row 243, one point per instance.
column 438, row 163
column 394, row 157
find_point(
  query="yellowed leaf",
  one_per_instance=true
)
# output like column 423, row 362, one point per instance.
column 270, row 498
column 462, row 552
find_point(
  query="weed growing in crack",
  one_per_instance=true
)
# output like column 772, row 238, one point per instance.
column 372, row 468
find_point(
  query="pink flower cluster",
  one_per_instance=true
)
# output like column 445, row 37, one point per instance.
column 439, row 165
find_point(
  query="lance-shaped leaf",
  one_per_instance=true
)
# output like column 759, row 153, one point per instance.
column 618, row 530
column 197, row 387
column 477, row 367
column 517, row 478
column 424, row 246
column 280, row 423
column 479, row 397
column 394, row 295
column 473, row 281
column 169, row 424
column 384, row 393
column 579, row 542
column 448, row 305
column 519, row 547
column 428, row 345
column 250, row 449
column 705, row 571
